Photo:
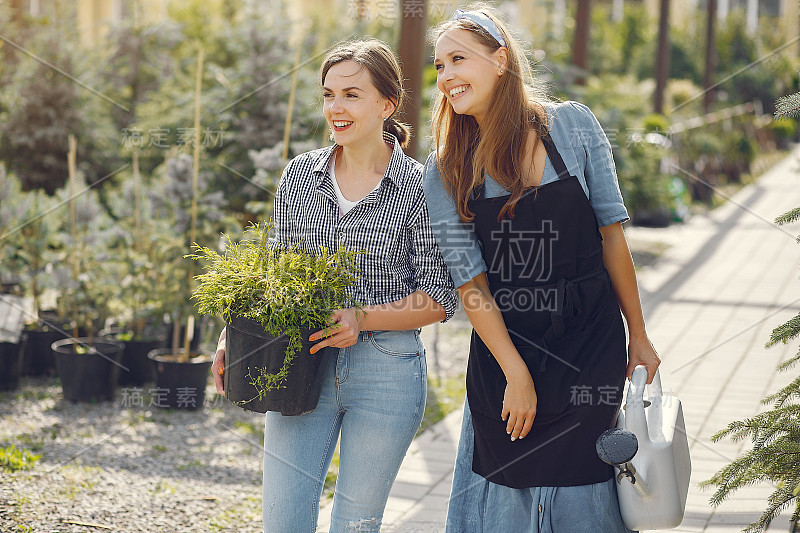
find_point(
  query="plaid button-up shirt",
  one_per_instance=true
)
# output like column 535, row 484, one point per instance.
column 391, row 223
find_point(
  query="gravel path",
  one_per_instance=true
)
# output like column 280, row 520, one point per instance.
column 131, row 467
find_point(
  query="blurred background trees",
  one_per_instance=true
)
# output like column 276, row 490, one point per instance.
column 120, row 76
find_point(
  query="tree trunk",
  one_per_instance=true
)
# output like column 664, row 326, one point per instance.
column 662, row 57
column 710, row 56
column 580, row 49
column 412, row 59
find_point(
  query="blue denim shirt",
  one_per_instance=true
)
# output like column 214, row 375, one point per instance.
column 586, row 152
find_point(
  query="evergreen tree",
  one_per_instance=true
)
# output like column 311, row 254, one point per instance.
column 775, row 456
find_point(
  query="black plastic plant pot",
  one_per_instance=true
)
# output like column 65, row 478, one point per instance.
column 38, row 357
column 134, row 358
column 11, row 363
column 179, row 385
column 249, row 348
column 88, row 372
column 140, row 367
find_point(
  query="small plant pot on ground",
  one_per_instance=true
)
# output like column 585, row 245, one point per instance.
column 249, row 351
column 38, row 359
column 11, row 363
column 139, row 367
column 179, row 385
column 88, row 372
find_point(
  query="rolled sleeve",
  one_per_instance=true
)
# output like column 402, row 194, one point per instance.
column 431, row 273
column 600, row 171
column 457, row 240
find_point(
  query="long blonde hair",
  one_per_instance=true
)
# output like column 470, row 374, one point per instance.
column 464, row 151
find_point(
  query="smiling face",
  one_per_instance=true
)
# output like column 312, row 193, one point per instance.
column 468, row 72
column 353, row 107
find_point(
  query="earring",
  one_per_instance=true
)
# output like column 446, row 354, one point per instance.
column 501, row 72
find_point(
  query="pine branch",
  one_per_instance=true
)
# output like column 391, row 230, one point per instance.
column 790, row 363
column 789, row 392
column 786, row 106
column 788, row 217
column 785, row 332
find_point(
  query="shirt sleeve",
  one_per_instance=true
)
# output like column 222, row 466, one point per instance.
column 600, row 171
column 457, row 240
column 431, row 274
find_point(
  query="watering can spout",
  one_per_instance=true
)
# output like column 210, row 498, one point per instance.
column 618, row 447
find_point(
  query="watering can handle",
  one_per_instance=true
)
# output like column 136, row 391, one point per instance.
column 635, row 419
column 655, row 386
column 639, row 381
column 636, row 386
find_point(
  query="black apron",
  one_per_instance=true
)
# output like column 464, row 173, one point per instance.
column 545, row 270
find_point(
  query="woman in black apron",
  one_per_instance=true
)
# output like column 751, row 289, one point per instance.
column 542, row 272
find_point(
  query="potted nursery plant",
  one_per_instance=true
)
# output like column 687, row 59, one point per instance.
column 26, row 239
column 12, row 341
column 272, row 298
column 88, row 366
column 11, row 318
column 181, row 370
column 144, row 247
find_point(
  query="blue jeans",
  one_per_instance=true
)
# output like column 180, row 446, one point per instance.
column 479, row 506
column 374, row 395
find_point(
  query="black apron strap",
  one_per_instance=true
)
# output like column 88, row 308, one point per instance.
column 555, row 158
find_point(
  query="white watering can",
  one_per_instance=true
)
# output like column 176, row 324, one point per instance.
column 650, row 452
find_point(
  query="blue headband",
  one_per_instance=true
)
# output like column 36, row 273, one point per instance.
column 481, row 20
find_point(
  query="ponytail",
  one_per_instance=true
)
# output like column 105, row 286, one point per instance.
column 399, row 129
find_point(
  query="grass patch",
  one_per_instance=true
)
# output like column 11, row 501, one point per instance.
column 33, row 442
column 163, row 487
column 245, row 512
column 138, row 417
column 189, row 465
column 252, row 429
column 13, row 458
column 444, row 396
column 77, row 479
column 33, row 394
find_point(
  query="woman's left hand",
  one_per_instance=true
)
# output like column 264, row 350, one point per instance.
column 642, row 352
column 345, row 326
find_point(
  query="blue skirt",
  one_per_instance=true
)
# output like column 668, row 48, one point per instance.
column 480, row 506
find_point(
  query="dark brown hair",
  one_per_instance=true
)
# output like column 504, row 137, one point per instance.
column 465, row 151
column 384, row 70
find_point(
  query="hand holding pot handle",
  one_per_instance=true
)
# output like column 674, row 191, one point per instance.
column 218, row 366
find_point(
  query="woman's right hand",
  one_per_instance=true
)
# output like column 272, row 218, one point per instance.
column 218, row 366
column 519, row 405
